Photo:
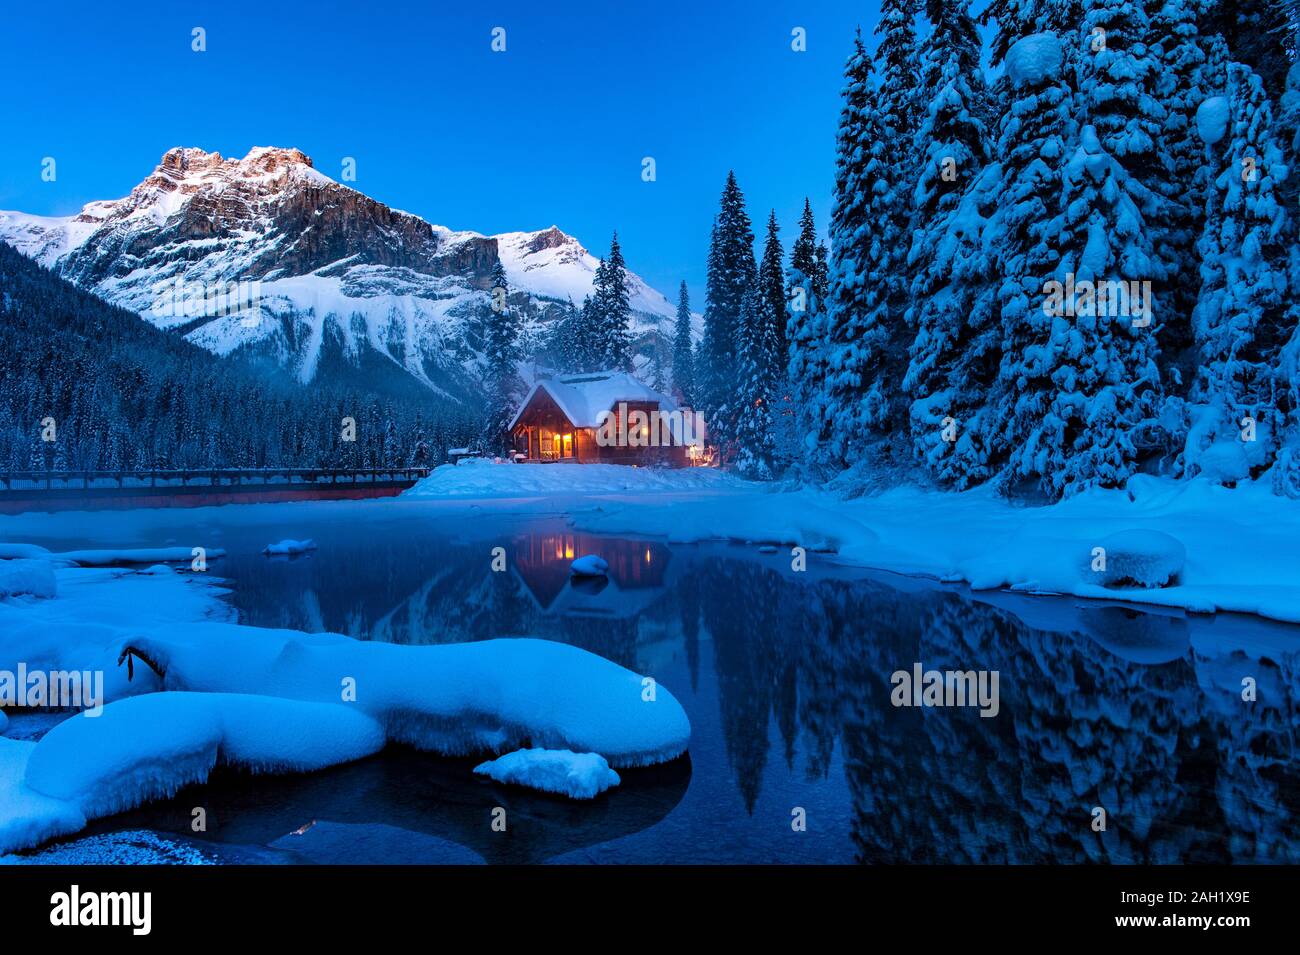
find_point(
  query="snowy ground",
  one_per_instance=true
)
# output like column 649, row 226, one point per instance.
column 1237, row 553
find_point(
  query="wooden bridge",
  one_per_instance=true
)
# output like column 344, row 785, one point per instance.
column 90, row 490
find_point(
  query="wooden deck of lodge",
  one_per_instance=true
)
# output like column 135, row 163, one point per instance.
column 96, row 490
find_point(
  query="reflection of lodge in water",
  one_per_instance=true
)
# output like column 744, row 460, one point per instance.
column 637, row 574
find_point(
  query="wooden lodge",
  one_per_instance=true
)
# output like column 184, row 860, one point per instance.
column 603, row 418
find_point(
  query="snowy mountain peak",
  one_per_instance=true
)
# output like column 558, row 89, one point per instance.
column 337, row 274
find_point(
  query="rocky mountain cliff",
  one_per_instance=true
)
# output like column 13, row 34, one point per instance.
column 267, row 256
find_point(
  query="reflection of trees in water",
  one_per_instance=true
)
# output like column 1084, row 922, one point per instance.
column 1184, row 775
column 1185, row 770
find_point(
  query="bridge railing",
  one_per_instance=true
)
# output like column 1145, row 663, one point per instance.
column 211, row 477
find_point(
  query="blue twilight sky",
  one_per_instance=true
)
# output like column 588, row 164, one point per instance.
column 553, row 130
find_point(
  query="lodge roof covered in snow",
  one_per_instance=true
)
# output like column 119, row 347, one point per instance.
column 583, row 397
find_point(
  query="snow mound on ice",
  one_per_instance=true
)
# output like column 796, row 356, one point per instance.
column 1212, row 119
column 149, row 747
column 117, row 557
column 1033, row 59
column 589, row 565
column 577, row 775
column 457, row 699
column 1143, row 558
column 31, row 577
column 289, row 546
column 17, row 551
column 27, row 818
column 482, row 478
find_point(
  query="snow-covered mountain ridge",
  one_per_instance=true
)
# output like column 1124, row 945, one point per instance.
column 308, row 271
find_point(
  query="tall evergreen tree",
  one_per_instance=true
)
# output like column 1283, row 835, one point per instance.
column 771, row 280
column 1185, row 80
column 613, row 311
column 755, row 385
column 807, row 333
column 1023, row 241
column 501, row 382
column 952, row 197
column 856, row 397
column 732, row 272
column 1245, row 311
column 683, row 350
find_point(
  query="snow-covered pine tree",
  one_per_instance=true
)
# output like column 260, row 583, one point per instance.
column 588, row 344
column 1017, row 19
column 806, row 334
column 950, row 297
column 771, row 280
column 854, row 403
column 683, row 350
column 1094, row 391
column 1244, row 314
column 1182, row 85
column 898, row 104
column 755, row 385
column 501, row 382
column 1258, row 33
column 898, row 97
column 613, row 311
column 658, row 378
column 732, row 272
column 1023, row 242
column 1121, row 75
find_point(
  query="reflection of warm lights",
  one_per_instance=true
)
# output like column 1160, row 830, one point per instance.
column 647, row 555
column 559, row 549
column 568, row 551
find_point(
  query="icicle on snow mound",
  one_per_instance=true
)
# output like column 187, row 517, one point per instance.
column 458, row 699
column 589, row 565
column 576, row 775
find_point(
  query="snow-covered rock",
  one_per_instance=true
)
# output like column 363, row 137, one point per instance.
column 151, row 746
column 576, row 775
column 4, row 722
column 457, row 699
column 289, row 547
column 1033, row 59
column 148, row 747
column 27, row 577
column 1142, row 558
column 589, row 565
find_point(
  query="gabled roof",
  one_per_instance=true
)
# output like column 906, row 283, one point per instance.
column 583, row 397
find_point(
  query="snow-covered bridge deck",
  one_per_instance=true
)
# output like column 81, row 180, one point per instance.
column 89, row 490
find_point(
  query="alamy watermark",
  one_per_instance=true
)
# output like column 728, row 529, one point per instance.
column 180, row 299
column 922, row 687
column 652, row 428
column 53, row 689
column 1107, row 298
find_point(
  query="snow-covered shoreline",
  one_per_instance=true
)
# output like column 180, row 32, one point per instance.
column 1240, row 551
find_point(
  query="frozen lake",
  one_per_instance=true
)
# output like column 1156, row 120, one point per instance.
column 786, row 677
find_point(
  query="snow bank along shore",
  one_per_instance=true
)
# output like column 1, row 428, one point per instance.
column 1182, row 544
column 189, row 690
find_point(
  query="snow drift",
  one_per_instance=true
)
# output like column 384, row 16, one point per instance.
column 576, row 775
column 456, row 699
